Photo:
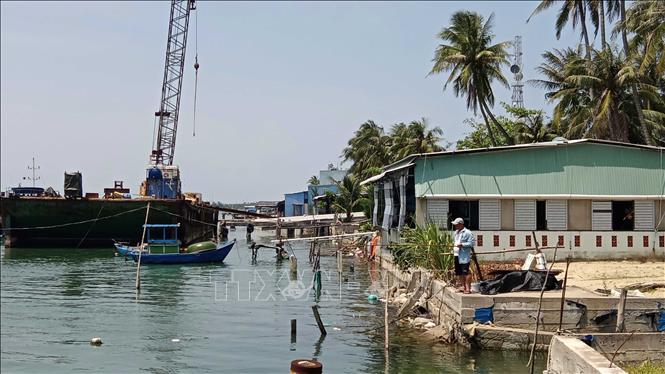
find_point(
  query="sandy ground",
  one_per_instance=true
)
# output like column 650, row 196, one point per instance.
column 614, row 274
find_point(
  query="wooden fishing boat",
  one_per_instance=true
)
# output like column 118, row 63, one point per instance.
column 163, row 247
column 213, row 255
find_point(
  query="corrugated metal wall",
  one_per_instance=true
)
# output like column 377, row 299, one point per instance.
column 581, row 168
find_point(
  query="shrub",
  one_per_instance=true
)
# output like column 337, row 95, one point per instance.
column 427, row 247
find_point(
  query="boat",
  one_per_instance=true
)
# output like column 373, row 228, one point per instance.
column 161, row 246
column 213, row 255
column 95, row 222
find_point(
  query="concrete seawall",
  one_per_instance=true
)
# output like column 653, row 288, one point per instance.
column 514, row 318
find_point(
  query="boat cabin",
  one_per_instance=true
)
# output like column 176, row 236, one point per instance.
column 162, row 238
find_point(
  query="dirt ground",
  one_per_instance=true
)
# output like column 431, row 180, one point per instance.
column 614, row 274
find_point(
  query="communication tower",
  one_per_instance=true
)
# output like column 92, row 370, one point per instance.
column 516, row 68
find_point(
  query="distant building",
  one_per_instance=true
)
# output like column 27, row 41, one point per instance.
column 267, row 207
column 591, row 198
column 327, row 179
column 295, row 204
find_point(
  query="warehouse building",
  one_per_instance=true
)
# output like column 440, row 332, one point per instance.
column 596, row 199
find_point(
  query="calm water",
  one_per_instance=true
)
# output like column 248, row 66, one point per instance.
column 224, row 318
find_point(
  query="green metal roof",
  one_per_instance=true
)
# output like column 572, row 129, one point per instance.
column 593, row 168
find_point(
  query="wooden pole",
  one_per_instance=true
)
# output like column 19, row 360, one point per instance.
column 530, row 364
column 563, row 294
column 475, row 261
column 621, row 310
column 385, row 316
column 322, row 328
column 138, row 266
column 294, row 328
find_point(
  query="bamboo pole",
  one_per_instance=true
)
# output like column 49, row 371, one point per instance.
column 138, row 266
column 621, row 310
column 563, row 294
column 530, row 364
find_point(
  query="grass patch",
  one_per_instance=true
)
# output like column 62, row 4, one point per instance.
column 647, row 367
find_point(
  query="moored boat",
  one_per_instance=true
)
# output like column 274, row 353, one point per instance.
column 214, row 255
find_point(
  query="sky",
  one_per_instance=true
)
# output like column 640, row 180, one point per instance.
column 282, row 86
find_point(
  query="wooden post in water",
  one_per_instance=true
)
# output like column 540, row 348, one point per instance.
column 385, row 316
column 138, row 266
column 621, row 310
column 293, row 331
column 322, row 328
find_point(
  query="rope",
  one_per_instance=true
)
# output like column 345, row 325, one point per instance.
column 90, row 229
column 183, row 217
column 72, row 223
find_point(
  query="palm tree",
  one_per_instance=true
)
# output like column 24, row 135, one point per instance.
column 531, row 128
column 368, row 148
column 646, row 19
column 572, row 115
column 414, row 138
column 608, row 75
column 350, row 196
column 571, row 10
column 474, row 63
column 313, row 181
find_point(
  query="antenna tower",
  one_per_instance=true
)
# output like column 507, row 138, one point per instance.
column 516, row 68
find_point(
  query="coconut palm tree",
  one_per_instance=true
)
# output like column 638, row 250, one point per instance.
column 646, row 20
column 313, row 181
column 350, row 196
column 570, row 10
column 531, row 128
column 473, row 63
column 368, row 148
column 416, row 137
column 610, row 76
column 572, row 115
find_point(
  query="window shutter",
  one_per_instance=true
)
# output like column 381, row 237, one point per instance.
column 601, row 215
column 644, row 215
column 437, row 212
column 489, row 212
column 556, row 213
column 525, row 215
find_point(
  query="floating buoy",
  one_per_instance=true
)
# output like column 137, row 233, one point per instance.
column 372, row 297
column 175, row 340
column 303, row 366
column 96, row 341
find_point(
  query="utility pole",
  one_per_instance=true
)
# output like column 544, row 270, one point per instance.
column 34, row 171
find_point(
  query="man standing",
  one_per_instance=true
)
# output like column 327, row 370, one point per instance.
column 464, row 242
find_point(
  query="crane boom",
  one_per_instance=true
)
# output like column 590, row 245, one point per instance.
column 164, row 142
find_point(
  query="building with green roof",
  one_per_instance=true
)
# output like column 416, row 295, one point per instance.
column 596, row 198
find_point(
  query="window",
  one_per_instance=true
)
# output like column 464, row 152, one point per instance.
column 623, row 215
column 467, row 209
column 541, row 216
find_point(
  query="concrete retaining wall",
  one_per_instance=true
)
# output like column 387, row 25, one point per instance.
column 571, row 356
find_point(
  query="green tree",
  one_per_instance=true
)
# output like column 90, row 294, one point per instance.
column 473, row 63
column 530, row 126
column 646, row 20
column 313, row 181
column 570, row 10
column 610, row 77
column 369, row 147
column 416, row 137
column 350, row 197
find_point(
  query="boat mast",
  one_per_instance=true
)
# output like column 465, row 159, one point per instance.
column 164, row 142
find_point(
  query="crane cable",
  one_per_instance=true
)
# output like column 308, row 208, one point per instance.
column 196, row 66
